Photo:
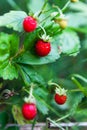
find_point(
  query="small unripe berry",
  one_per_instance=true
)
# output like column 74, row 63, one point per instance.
column 62, row 23
column 74, row 1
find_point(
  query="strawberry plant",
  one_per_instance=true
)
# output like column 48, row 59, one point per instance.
column 30, row 43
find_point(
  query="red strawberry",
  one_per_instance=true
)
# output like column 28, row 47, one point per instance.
column 29, row 24
column 42, row 48
column 29, row 111
column 60, row 96
column 60, row 99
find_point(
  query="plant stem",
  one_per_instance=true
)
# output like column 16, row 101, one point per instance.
column 51, row 83
column 78, row 84
column 21, row 50
column 63, row 117
column 65, row 6
column 47, row 10
column 59, row 10
column 80, row 77
column 44, row 5
column 75, row 90
column 45, row 19
column 43, row 29
column 31, row 90
column 26, row 90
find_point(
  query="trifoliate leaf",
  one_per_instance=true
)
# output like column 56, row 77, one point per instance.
column 13, row 19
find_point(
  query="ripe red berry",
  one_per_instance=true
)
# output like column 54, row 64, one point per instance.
column 29, row 111
column 42, row 48
column 60, row 99
column 29, row 24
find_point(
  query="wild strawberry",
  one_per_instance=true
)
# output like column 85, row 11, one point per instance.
column 42, row 48
column 29, row 111
column 29, row 24
column 60, row 99
column 60, row 96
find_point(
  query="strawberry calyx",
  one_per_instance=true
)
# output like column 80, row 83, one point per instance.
column 35, row 16
column 60, row 17
column 60, row 91
column 30, row 98
column 45, row 38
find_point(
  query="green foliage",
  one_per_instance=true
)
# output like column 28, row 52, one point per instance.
column 18, row 60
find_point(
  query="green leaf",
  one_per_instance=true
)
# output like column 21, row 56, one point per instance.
column 41, row 105
column 9, row 72
column 30, row 59
column 24, row 76
column 14, row 44
column 80, row 77
column 13, row 19
column 32, row 74
column 77, row 99
column 41, row 92
column 81, row 88
column 4, row 47
column 69, row 42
